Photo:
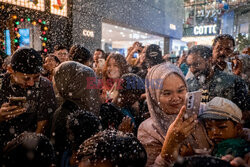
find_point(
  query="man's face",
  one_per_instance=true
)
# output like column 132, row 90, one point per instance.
column 25, row 80
column 50, row 64
column 97, row 56
column 222, row 49
column 62, row 55
column 198, row 65
column 219, row 130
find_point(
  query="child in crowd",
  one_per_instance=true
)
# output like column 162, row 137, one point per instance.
column 222, row 119
column 123, row 97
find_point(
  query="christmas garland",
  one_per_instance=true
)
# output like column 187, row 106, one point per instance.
column 34, row 22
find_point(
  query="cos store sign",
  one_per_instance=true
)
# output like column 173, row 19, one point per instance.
column 88, row 33
column 205, row 30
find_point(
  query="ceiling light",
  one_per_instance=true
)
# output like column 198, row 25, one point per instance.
column 110, row 30
column 103, row 40
column 116, row 26
column 124, row 28
column 121, row 33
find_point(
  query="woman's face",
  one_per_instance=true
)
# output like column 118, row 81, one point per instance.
column 113, row 70
column 172, row 95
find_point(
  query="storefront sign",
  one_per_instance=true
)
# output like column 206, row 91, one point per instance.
column 205, row 30
column 88, row 33
column 32, row 4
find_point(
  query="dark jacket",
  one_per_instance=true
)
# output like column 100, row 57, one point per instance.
column 41, row 104
column 223, row 85
column 58, row 128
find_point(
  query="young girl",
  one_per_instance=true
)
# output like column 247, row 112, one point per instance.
column 114, row 68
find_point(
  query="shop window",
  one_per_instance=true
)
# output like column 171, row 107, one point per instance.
column 32, row 4
column 58, row 7
column 30, row 35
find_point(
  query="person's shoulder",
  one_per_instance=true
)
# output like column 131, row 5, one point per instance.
column 146, row 125
column 227, row 77
column 147, row 134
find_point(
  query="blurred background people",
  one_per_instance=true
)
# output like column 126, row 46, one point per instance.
column 99, row 62
column 81, row 54
column 62, row 53
column 50, row 63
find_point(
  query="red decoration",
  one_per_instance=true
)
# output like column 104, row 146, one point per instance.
column 21, row 19
column 39, row 20
column 45, row 50
column 16, row 29
column 44, row 32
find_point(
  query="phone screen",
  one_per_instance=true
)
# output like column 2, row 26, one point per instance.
column 135, row 55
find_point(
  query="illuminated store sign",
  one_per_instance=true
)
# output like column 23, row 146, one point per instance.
column 32, row 4
column 205, row 30
column 88, row 33
column 58, row 7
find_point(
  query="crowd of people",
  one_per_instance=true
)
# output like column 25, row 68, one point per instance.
column 73, row 108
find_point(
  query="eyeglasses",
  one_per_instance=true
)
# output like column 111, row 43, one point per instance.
column 194, row 65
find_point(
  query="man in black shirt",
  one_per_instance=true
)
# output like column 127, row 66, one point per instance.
column 24, row 80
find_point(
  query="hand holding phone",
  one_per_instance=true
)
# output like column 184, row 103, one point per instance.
column 193, row 100
column 8, row 111
column 17, row 101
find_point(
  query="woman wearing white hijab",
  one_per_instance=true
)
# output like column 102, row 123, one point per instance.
column 166, row 135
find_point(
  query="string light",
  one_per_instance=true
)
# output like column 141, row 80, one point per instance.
column 45, row 28
column 17, row 23
column 43, row 44
column 28, row 19
column 21, row 19
column 15, row 40
column 39, row 20
column 45, row 50
column 34, row 23
column 44, row 22
column 14, row 17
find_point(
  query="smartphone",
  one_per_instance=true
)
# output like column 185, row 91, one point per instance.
column 193, row 100
column 17, row 101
